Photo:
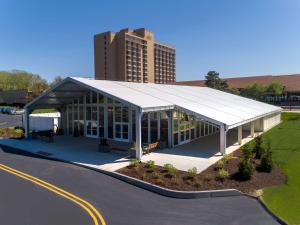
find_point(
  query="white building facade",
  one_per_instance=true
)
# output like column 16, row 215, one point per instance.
column 139, row 113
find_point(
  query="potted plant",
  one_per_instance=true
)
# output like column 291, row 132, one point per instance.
column 103, row 146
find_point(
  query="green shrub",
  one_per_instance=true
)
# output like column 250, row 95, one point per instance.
column 227, row 157
column 144, row 176
column 246, row 169
column 219, row 164
column 258, row 148
column 222, row 174
column 247, row 152
column 156, row 175
column 176, row 179
column 19, row 132
column 151, row 165
column 170, row 169
column 192, row 172
column 134, row 162
column 266, row 163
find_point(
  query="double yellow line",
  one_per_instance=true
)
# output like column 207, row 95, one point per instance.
column 90, row 209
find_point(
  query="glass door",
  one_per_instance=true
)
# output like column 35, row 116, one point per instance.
column 91, row 129
column 185, row 129
column 121, row 123
column 91, row 121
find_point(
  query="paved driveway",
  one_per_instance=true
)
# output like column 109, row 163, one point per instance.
column 10, row 120
column 121, row 203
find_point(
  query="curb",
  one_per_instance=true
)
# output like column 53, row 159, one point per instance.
column 262, row 203
column 142, row 184
column 277, row 218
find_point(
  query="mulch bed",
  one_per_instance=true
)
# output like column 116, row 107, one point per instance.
column 207, row 180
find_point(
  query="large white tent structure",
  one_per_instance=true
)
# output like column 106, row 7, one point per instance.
column 122, row 111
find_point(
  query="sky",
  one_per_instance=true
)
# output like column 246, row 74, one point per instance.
column 232, row 37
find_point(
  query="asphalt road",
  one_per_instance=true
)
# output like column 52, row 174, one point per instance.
column 10, row 120
column 118, row 202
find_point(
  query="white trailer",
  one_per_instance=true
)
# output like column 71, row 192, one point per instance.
column 44, row 121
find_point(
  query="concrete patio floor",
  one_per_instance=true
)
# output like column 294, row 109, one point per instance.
column 200, row 153
column 79, row 150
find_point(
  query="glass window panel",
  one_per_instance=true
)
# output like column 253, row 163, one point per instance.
column 192, row 133
column 88, row 128
column 94, row 128
column 80, row 112
column 88, row 113
column 125, row 114
column 118, row 130
column 118, row 113
column 206, row 128
column 75, row 111
column 94, row 97
column 182, row 136
column 175, row 136
column 81, row 100
column 109, row 101
column 198, row 130
column 81, row 128
column 110, row 122
column 133, row 125
column 202, row 128
column 125, row 131
column 101, row 99
column 94, row 113
column 88, row 97
column 187, row 134
column 101, row 116
column 175, row 124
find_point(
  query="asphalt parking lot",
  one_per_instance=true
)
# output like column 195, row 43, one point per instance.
column 10, row 120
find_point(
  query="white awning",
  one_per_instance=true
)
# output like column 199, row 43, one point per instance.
column 216, row 106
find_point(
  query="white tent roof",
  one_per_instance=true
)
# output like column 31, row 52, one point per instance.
column 216, row 106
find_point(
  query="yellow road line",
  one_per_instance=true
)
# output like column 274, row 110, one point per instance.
column 61, row 190
column 90, row 209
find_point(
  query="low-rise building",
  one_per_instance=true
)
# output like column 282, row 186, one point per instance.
column 291, row 84
column 134, row 114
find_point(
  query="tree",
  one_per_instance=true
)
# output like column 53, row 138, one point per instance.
column 213, row 80
column 255, row 91
column 275, row 88
column 56, row 80
column 267, row 163
column 258, row 148
column 234, row 91
column 22, row 80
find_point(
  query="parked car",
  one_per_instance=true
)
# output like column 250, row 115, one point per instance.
column 17, row 111
column 5, row 110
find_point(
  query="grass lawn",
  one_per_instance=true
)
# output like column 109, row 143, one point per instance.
column 284, row 200
column 43, row 111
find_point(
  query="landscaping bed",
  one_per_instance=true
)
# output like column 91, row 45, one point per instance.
column 11, row 132
column 208, row 179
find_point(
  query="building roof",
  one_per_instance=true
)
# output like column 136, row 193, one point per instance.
column 290, row 82
column 213, row 105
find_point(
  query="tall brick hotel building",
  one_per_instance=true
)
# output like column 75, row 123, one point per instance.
column 133, row 56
